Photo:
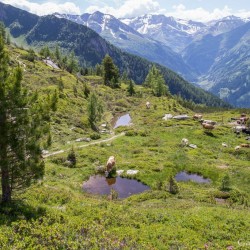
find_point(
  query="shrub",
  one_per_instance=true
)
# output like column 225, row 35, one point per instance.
column 95, row 136
column 72, row 158
column 173, row 186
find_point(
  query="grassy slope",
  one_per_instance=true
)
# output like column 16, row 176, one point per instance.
column 57, row 214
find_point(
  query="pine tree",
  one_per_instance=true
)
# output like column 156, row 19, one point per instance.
column 111, row 72
column 131, row 89
column 21, row 128
column 95, row 110
column 57, row 53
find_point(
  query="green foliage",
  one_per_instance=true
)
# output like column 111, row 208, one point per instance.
column 95, row 136
column 72, row 157
column 30, row 56
column 111, row 72
column 2, row 31
column 54, row 101
column 225, row 183
column 45, row 52
column 56, row 213
column 173, row 186
column 131, row 88
column 22, row 125
column 156, row 82
column 95, row 110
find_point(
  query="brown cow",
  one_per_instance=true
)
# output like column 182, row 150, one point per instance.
column 110, row 163
column 207, row 126
column 197, row 116
column 245, row 145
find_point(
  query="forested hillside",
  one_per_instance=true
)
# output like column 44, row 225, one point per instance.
column 90, row 48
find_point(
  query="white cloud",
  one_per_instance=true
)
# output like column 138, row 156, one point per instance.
column 129, row 8
column 44, row 8
column 202, row 15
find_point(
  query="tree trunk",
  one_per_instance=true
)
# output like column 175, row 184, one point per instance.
column 6, row 187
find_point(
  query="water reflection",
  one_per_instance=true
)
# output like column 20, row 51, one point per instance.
column 99, row 184
column 123, row 120
column 184, row 176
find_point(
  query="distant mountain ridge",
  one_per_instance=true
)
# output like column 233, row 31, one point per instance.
column 217, row 51
column 90, row 48
column 187, row 47
column 130, row 40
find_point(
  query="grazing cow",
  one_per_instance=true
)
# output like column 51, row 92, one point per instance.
column 197, row 116
column 110, row 163
column 242, row 120
column 237, row 148
column 208, row 122
column 207, row 126
column 245, row 145
column 148, row 105
column 224, row 144
column 184, row 142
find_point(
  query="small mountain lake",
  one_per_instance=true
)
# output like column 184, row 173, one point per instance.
column 99, row 184
column 184, row 176
column 122, row 120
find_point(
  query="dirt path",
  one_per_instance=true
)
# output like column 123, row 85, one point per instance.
column 83, row 146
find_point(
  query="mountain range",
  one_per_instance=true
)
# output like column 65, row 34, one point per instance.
column 90, row 48
column 198, row 51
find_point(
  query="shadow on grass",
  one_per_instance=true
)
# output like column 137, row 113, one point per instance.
column 19, row 210
column 208, row 133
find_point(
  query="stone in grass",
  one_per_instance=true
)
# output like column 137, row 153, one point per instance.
column 119, row 172
column 132, row 172
column 167, row 117
column 83, row 139
column 192, row 146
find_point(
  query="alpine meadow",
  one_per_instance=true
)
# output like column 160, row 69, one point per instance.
column 104, row 146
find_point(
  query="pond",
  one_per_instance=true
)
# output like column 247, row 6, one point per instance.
column 99, row 184
column 123, row 120
column 184, row 176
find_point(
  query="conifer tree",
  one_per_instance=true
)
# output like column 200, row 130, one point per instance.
column 95, row 110
column 156, row 82
column 21, row 128
column 131, row 89
column 111, row 72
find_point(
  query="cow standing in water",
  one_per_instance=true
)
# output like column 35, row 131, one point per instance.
column 110, row 164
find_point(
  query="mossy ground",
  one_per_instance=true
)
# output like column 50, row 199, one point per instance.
column 57, row 214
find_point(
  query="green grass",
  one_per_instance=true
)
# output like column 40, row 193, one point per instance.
column 56, row 213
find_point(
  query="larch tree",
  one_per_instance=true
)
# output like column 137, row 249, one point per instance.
column 22, row 126
column 156, row 82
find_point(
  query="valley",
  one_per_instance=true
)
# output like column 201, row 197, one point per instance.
column 57, row 213
column 104, row 146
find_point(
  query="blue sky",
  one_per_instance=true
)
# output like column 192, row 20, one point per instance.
column 200, row 10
